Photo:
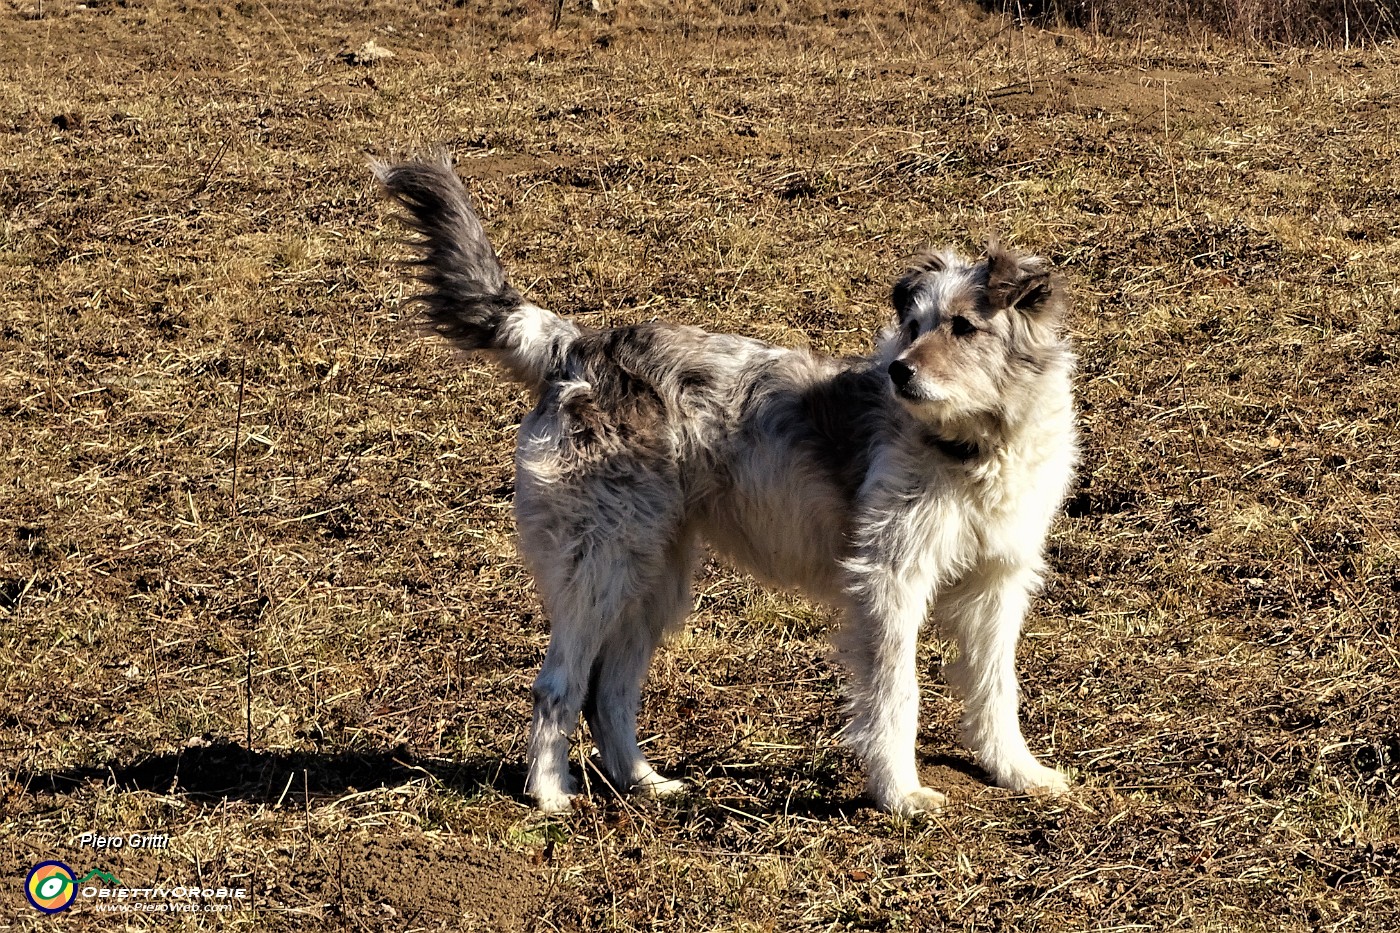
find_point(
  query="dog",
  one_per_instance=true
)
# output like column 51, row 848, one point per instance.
column 924, row 476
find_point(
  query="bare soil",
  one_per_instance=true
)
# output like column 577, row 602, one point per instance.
column 258, row 589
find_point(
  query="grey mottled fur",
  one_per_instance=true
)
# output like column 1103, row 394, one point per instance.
column 925, row 475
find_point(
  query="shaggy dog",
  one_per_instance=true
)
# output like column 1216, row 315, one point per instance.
column 924, row 475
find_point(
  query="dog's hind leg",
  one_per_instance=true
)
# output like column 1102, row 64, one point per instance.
column 594, row 576
column 984, row 613
column 586, row 588
column 559, row 693
column 618, row 674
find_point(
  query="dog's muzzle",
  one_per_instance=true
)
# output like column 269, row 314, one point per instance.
column 907, row 387
column 902, row 375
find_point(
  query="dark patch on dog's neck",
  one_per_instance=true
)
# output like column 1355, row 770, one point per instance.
column 839, row 416
column 961, row 451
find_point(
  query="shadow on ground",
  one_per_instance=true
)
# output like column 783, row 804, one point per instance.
column 219, row 769
column 223, row 770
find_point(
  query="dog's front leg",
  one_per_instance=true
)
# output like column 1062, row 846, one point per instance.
column 880, row 646
column 984, row 613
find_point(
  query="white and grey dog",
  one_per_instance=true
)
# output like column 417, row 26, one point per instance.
column 924, row 475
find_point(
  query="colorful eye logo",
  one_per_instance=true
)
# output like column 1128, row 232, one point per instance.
column 50, row 887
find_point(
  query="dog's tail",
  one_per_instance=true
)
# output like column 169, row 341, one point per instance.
column 468, row 299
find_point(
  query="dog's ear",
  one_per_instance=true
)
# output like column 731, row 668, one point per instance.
column 924, row 266
column 1020, row 282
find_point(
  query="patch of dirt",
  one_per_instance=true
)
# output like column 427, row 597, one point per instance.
column 1178, row 98
column 404, row 880
column 416, row 880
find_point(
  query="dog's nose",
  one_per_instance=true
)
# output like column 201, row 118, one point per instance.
column 901, row 372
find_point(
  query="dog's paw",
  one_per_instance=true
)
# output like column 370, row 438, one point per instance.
column 655, row 787
column 1040, row 782
column 921, row 801
column 559, row 802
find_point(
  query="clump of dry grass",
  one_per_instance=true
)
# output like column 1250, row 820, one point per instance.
column 319, row 683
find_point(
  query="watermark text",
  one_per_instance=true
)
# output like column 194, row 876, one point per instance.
column 132, row 841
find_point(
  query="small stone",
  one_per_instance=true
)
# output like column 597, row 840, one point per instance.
column 370, row 53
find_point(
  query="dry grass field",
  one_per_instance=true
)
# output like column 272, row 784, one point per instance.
column 258, row 590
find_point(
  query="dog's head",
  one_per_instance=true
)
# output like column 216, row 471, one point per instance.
column 972, row 336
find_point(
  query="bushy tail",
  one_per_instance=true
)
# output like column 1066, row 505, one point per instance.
column 468, row 299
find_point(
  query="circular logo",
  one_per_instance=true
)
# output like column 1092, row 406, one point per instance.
column 50, row 887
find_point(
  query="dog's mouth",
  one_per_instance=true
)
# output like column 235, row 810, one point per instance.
column 918, row 394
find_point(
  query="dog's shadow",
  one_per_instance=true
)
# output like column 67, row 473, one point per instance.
column 830, row 796
column 224, row 770
column 220, row 770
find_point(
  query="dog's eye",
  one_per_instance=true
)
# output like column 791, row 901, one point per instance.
column 962, row 327
column 913, row 328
